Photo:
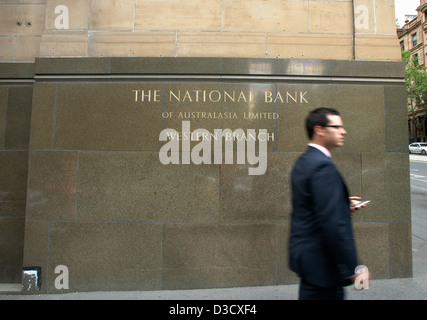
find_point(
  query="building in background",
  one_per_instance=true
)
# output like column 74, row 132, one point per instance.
column 413, row 38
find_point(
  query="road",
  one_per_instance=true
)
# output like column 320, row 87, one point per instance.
column 418, row 173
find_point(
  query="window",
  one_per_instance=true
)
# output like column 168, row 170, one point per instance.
column 402, row 45
column 414, row 39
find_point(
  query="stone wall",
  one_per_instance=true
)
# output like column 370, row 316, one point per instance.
column 102, row 203
column 16, row 90
column 288, row 29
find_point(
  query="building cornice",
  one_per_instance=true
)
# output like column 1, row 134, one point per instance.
column 408, row 28
column 422, row 7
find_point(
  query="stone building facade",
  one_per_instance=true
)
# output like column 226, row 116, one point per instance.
column 300, row 29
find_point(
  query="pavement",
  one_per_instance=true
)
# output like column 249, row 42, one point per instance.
column 383, row 289
column 414, row 288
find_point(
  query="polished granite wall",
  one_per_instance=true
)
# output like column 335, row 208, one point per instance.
column 15, row 118
column 101, row 203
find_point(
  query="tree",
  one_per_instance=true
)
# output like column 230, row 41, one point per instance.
column 416, row 89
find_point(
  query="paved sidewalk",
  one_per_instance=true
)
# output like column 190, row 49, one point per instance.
column 388, row 289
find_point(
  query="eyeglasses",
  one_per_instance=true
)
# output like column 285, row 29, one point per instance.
column 333, row 126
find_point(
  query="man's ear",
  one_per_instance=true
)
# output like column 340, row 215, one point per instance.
column 319, row 131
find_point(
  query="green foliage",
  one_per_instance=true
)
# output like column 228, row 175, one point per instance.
column 416, row 81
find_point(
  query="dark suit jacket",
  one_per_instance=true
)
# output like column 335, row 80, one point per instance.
column 321, row 245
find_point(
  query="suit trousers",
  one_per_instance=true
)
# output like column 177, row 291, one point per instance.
column 309, row 291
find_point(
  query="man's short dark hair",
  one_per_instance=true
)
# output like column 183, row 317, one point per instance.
column 318, row 117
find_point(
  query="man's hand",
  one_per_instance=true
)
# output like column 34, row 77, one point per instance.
column 354, row 201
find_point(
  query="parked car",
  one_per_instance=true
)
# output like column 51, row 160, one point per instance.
column 418, row 147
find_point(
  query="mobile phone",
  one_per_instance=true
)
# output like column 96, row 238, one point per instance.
column 362, row 204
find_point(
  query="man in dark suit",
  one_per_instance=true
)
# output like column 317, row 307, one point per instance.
column 321, row 246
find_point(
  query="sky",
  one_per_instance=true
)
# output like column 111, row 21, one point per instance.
column 405, row 7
